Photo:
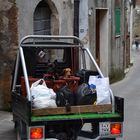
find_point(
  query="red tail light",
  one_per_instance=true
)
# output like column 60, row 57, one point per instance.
column 116, row 128
column 36, row 133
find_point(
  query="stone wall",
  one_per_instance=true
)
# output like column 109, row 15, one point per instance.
column 16, row 21
column 61, row 19
column 8, row 47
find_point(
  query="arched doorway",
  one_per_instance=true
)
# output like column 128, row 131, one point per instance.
column 42, row 19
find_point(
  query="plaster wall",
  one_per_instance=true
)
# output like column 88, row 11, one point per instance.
column 62, row 16
column 88, row 31
column 84, row 27
column 16, row 21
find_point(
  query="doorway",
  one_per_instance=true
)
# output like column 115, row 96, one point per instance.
column 102, row 39
column 42, row 19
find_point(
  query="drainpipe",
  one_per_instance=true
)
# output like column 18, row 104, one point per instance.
column 76, row 33
column 76, row 17
column 131, row 31
column 132, row 5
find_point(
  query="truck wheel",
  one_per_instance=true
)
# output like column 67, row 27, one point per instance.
column 21, row 133
column 18, row 137
column 74, row 131
column 61, row 136
column 18, row 133
column 95, row 129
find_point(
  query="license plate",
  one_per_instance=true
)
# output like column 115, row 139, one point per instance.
column 104, row 129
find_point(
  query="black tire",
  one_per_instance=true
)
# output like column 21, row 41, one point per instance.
column 61, row 136
column 95, row 129
column 74, row 132
column 21, row 133
column 18, row 137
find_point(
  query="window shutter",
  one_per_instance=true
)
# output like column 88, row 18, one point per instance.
column 117, row 21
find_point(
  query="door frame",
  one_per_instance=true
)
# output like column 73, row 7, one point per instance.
column 102, row 39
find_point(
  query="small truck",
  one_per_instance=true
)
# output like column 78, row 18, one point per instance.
column 64, row 64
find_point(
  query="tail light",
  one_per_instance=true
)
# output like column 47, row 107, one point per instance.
column 116, row 128
column 36, row 133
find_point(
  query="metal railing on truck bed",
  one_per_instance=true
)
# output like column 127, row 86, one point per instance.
column 49, row 42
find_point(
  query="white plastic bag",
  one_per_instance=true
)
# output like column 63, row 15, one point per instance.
column 42, row 102
column 40, row 81
column 42, row 96
column 102, row 89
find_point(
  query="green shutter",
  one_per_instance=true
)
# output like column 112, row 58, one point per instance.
column 117, row 21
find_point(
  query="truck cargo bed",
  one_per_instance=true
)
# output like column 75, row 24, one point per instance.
column 85, row 113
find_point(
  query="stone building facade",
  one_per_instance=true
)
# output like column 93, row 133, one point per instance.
column 8, row 47
column 136, row 20
column 104, row 26
column 61, row 16
column 92, row 20
column 19, row 18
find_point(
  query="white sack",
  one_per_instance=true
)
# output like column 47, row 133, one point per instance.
column 43, row 102
column 102, row 89
column 42, row 96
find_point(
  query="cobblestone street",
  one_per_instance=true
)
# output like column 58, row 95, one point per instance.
column 6, row 126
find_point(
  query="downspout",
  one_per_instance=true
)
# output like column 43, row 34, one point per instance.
column 76, row 33
column 131, row 31
column 76, row 17
column 132, row 5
